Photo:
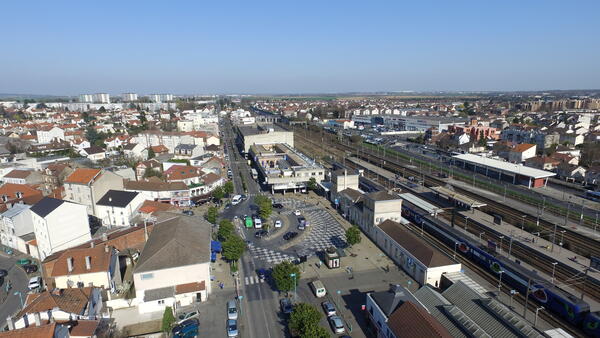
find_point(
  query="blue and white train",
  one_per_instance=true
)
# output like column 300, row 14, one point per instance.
column 561, row 303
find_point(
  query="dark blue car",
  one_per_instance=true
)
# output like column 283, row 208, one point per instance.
column 186, row 328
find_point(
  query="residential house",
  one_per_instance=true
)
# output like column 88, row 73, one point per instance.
column 151, row 164
column 174, row 267
column 571, row 172
column 160, row 149
column 16, row 230
column 86, row 186
column 59, row 225
column 592, row 176
column 49, row 134
column 135, row 150
column 80, row 144
column 118, row 207
column 54, row 175
column 56, row 146
column 94, row 153
column 153, row 189
column 183, row 173
column 565, row 158
column 148, row 208
column 91, row 266
column 542, row 162
column 44, row 330
column 18, row 176
column 522, row 152
column 59, row 305
column 187, row 151
column 12, row 194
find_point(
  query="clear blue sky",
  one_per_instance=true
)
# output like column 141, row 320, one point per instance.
column 185, row 47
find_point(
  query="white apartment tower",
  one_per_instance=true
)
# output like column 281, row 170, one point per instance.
column 129, row 97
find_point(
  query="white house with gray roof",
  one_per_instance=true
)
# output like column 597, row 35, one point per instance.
column 174, row 267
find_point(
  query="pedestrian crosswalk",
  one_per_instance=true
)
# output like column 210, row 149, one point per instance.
column 270, row 256
column 251, row 280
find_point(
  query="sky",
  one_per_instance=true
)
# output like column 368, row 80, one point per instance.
column 275, row 47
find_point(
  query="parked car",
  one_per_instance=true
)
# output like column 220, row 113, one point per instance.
column 261, row 233
column 187, row 315
column 290, row 235
column 257, row 223
column 232, row 330
column 34, row 283
column 301, row 227
column 186, row 328
column 3, row 273
column 232, row 312
column 336, row 324
column 277, row 206
column 297, row 213
column 286, row 306
column 278, row 224
column 328, row 308
column 188, row 212
column 30, row 268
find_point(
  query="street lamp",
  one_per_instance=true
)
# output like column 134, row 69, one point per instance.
column 553, row 269
column 523, row 223
column 500, row 282
column 293, row 275
column 536, row 315
column 501, row 238
column 512, row 294
column 562, row 235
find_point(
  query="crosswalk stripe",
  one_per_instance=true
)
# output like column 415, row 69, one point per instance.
column 251, row 280
column 246, row 280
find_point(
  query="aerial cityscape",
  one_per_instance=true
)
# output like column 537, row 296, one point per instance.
column 300, row 169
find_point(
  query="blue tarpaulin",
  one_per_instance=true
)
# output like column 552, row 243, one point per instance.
column 215, row 246
column 213, row 256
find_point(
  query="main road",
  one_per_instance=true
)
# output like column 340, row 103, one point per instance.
column 259, row 302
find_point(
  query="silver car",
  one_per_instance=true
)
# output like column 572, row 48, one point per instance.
column 232, row 312
column 336, row 324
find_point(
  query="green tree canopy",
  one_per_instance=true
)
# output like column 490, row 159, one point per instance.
column 265, row 206
column 218, row 193
column 226, row 230
column 167, row 320
column 151, row 153
column 234, row 248
column 303, row 320
column 353, row 235
column 211, row 215
column 282, row 276
column 312, row 183
column 228, row 188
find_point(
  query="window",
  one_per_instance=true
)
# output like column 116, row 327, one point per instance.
column 147, row 276
column 161, row 302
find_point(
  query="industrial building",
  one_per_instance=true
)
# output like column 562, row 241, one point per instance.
column 259, row 134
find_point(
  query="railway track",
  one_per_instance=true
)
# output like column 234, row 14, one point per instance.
column 575, row 241
column 563, row 274
column 546, row 316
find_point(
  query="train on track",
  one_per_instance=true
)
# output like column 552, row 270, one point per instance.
column 559, row 302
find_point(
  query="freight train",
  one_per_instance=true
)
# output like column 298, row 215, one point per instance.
column 561, row 303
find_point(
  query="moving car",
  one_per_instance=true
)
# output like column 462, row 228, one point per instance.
column 236, row 199
column 188, row 212
column 297, row 213
column 34, row 283
column 286, row 305
column 290, row 235
column 328, row 308
column 277, row 206
column 3, row 273
column 336, row 324
column 30, row 268
column 232, row 312
column 232, row 330
column 278, row 224
column 261, row 233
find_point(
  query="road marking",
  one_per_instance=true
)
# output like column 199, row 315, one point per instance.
column 246, row 280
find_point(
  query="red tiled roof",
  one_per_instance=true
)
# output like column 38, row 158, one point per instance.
column 190, row 287
column 181, row 172
column 42, row 331
column 523, row 147
column 82, row 175
column 17, row 173
column 99, row 261
column 410, row 320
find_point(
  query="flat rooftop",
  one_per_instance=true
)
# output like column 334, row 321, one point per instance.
column 255, row 129
column 512, row 168
column 458, row 197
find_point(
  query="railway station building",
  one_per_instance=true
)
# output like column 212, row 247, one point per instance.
column 504, row 171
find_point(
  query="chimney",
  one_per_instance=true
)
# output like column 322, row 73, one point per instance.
column 37, row 318
column 88, row 262
column 92, row 244
column 11, row 323
column 106, row 249
column 104, row 237
column 70, row 264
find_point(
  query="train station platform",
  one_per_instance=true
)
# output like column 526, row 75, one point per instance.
column 461, row 200
column 534, row 243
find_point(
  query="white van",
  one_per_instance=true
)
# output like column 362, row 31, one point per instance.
column 318, row 288
column 236, row 199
